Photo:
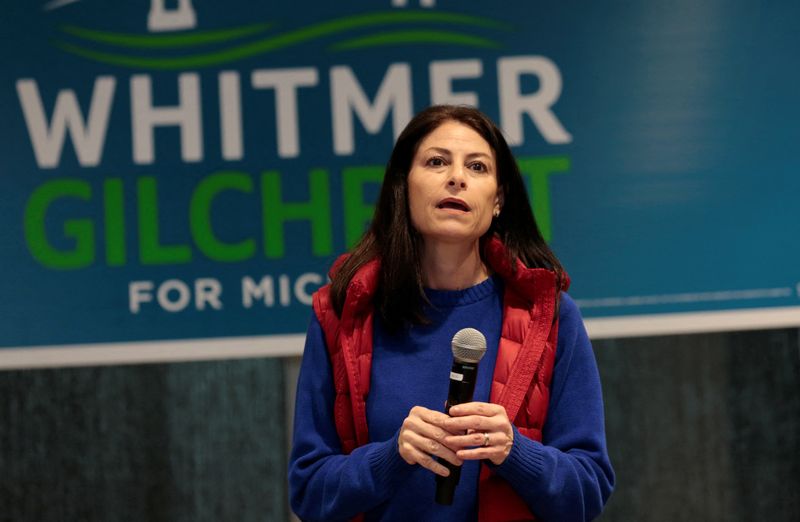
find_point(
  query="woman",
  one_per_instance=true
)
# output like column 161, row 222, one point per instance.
column 453, row 244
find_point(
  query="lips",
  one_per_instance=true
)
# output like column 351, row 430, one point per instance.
column 454, row 204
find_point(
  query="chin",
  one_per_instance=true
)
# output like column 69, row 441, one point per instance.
column 453, row 236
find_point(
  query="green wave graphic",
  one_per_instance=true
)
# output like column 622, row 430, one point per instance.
column 291, row 38
column 165, row 41
column 406, row 37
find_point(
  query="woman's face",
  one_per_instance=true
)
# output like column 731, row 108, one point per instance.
column 452, row 185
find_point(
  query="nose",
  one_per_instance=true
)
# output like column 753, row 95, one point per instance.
column 457, row 179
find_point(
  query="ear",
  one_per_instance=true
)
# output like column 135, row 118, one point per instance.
column 498, row 202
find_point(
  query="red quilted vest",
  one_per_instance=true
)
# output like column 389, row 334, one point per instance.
column 522, row 374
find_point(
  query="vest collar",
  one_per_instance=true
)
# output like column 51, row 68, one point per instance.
column 523, row 280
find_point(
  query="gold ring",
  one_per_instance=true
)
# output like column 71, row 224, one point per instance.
column 485, row 439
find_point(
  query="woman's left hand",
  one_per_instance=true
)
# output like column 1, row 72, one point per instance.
column 488, row 432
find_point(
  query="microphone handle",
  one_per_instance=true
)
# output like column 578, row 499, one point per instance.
column 462, row 387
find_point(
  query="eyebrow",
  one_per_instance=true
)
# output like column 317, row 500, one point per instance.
column 471, row 155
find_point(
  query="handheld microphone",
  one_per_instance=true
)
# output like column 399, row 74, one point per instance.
column 469, row 346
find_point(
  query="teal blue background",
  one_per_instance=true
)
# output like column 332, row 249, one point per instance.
column 683, row 176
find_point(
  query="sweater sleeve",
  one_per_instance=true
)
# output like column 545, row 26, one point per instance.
column 325, row 484
column 569, row 476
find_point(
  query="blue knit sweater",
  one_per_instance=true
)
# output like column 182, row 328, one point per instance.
column 568, row 477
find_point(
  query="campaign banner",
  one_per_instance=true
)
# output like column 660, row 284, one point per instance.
column 187, row 171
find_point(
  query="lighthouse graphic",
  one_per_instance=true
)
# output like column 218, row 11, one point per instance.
column 177, row 18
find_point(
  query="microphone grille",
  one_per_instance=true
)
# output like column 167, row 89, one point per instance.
column 469, row 345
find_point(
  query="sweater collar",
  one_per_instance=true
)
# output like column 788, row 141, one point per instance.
column 473, row 294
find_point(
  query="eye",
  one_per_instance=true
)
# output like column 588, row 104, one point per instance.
column 478, row 166
column 435, row 161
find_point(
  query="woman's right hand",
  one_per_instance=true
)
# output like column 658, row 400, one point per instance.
column 421, row 440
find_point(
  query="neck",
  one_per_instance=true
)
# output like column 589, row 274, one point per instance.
column 452, row 266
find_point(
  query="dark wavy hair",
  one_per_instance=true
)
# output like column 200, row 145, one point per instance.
column 400, row 297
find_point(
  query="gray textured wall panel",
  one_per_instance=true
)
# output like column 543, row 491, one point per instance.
column 193, row 441
column 704, row 427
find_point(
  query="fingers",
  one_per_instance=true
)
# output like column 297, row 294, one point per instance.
column 476, row 408
column 484, row 409
column 421, row 451
column 493, row 446
column 421, row 440
column 471, row 440
column 480, row 431
column 477, row 416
